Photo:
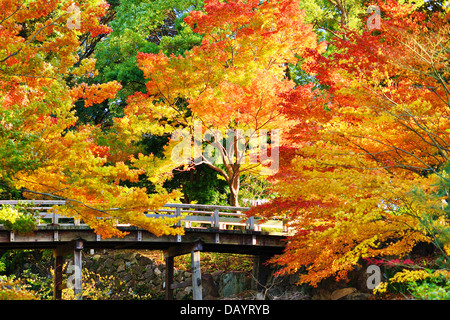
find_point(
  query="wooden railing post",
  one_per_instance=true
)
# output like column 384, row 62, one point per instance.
column 55, row 217
column 178, row 214
column 216, row 218
column 250, row 225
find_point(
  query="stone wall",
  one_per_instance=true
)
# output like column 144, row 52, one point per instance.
column 135, row 276
column 140, row 277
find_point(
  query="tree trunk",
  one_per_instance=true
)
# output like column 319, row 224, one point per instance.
column 234, row 188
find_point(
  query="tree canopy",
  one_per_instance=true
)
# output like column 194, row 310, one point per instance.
column 46, row 151
column 121, row 106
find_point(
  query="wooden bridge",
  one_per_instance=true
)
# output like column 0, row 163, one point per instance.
column 207, row 228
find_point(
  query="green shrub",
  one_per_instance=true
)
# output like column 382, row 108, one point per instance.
column 13, row 289
column 433, row 288
column 40, row 285
column 19, row 219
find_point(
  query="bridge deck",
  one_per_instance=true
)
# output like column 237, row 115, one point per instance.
column 231, row 241
column 207, row 228
column 220, row 228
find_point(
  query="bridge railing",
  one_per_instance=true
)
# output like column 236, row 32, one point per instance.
column 195, row 216
column 212, row 216
column 45, row 209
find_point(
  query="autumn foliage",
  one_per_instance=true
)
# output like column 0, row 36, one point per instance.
column 364, row 161
column 369, row 152
column 234, row 80
column 44, row 151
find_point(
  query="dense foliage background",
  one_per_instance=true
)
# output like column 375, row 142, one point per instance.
column 89, row 102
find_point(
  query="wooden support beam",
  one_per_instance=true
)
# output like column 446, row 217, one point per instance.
column 57, row 279
column 183, row 284
column 183, row 249
column 75, row 247
column 68, row 247
column 196, row 275
column 169, row 278
column 169, row 254
column 77, row 271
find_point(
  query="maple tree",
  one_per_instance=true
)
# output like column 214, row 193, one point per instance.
column 44, row 151
column 369, row 154
column 138, row 25
column 364, row 158
column 148, row 26
column 235, row 79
